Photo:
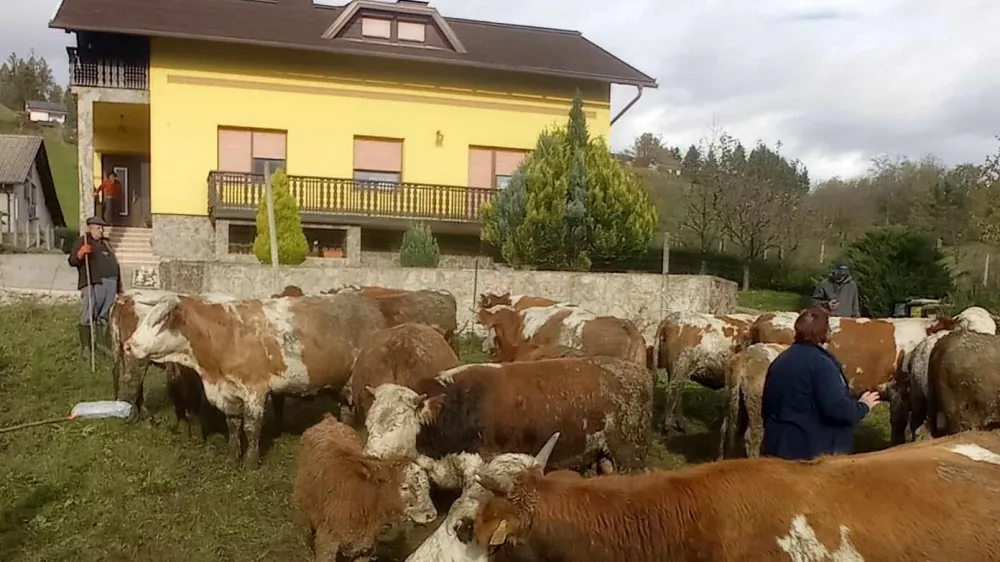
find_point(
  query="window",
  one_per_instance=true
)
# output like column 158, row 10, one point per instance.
column 492, row 167
column 411, row 31
column 375, row 27
column 378, row 163
column 251, row 152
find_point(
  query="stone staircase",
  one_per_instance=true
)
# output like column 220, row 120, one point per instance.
column 133, row 246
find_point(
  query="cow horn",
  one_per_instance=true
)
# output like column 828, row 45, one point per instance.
column 418, row 400
column 543, row 456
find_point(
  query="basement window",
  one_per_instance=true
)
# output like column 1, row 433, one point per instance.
column 411, row 31
column 375, row 27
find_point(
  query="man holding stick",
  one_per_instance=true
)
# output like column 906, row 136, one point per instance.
column 99, row 281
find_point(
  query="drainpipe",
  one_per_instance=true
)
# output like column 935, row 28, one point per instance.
column 638, row 94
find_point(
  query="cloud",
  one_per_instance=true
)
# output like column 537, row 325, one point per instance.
column 838, row 82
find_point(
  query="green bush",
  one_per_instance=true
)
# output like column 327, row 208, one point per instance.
column 893, row 264
column 569, row 204
column 65, row 237
column 292, row 244
column 419, row 248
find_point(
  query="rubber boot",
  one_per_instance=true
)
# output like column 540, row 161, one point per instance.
column 102, row 344
column 84, row 332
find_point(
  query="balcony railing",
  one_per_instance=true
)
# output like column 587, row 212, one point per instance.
column 238, row 195
column 103, row 71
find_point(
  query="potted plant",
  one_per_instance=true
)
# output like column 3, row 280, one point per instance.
column 333, row 253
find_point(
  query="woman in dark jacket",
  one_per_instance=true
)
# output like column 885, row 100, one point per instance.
column 807, row 407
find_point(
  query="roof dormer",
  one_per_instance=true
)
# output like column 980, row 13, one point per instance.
column 401, row 22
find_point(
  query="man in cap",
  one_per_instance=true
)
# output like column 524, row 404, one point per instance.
column 98, row 287
column 838, row 293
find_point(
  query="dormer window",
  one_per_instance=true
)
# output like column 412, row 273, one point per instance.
column 376, row 27
column 411, row 31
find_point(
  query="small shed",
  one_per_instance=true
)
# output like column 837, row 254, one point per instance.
column 28, row 200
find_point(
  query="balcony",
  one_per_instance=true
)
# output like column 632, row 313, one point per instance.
column 107, row 71
column 236, row 196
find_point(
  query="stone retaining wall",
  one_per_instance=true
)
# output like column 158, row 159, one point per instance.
column 642, row 298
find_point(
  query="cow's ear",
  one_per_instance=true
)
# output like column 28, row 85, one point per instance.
column 371, row 390
column 431, row 408
column 499, row 535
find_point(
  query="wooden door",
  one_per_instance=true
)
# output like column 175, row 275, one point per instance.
column 134, row 198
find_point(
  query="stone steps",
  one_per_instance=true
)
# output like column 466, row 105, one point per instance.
column 133, row 246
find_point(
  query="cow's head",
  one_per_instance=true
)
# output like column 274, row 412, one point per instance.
column 395, row 417
column 489, row 300
column 157, row 337
column 941, row 323
column 455, row 539
column 976, row 319
column 507, row 516
column 503, row 327
column 415, row 495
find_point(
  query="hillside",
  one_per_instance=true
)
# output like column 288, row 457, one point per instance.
column 62, row 160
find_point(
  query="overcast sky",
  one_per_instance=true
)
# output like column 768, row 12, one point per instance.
column 836, row 81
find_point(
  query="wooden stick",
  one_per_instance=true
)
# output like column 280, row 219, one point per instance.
column 33, row 424
column 90, row 307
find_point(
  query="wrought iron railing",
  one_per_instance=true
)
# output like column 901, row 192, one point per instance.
column 103, row 71
column 230, row 192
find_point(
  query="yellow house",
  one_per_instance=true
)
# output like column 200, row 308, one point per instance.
column 381, row 113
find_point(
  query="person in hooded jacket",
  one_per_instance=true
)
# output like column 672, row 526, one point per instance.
column 838, row 293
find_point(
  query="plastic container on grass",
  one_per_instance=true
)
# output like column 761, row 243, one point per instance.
column 101, row 409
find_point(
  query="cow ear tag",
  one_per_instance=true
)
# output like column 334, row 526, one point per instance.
column 500, row 534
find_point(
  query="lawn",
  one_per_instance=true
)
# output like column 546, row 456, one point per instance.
column 108, row 491
column 771, row 301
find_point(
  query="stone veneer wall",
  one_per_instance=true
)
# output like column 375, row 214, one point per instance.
column 183, row 237
column 643, row 298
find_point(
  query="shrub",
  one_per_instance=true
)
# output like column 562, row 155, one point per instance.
column 65, row 237
column 569, row 203
column 419, row 248
column 292, row 244
column 892, row 264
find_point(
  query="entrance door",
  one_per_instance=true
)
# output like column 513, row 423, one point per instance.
column 133, row 203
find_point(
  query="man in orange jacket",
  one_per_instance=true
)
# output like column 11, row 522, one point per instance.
column 106, row 196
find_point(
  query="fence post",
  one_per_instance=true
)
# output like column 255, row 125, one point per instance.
column 666, row 253
column 38, row 234
column 986, row 271
column 13, row 233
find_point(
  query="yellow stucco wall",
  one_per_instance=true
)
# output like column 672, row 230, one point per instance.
column 323, row 101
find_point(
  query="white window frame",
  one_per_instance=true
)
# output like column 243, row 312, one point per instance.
column 122, row 172
column 376, row 27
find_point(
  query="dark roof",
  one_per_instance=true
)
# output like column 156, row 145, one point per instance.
column 49, row 106
column 17, row 154
column 297, row 24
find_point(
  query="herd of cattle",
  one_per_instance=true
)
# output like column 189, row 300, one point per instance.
column 568, row 394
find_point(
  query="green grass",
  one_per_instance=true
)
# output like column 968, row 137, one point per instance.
column 771, row 301
column 109, row 491
column 7, row 114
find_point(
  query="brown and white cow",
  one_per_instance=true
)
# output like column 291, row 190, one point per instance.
column 601, row 405
column 908, row 393
column 963, row 387
column 515, row 333
column 518, row 302
column 399, row 306
column 246, row 350
column 696, row 346
column 745, row 390
column 871, row 351
column 345, row 497
column 943, row 507
column 183, row 385
column 403, row 355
